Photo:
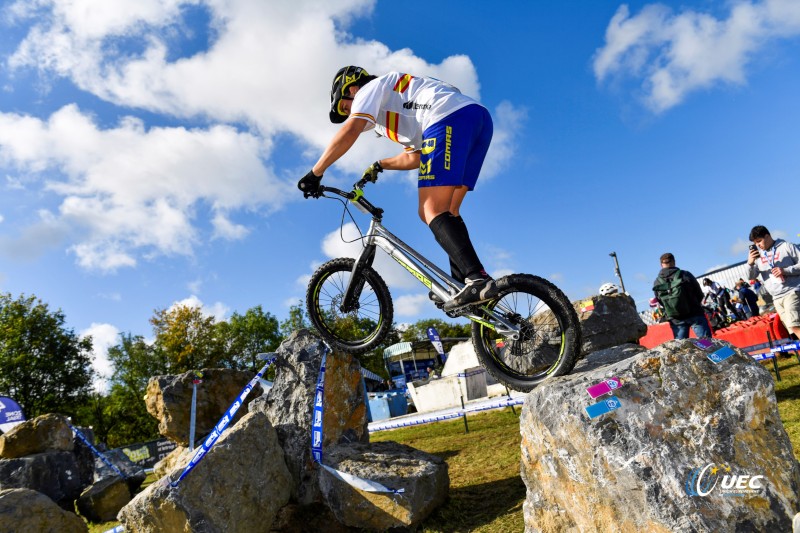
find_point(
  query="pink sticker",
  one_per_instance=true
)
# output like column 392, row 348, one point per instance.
column 604, row 387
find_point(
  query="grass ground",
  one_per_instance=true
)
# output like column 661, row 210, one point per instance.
column 486, row 492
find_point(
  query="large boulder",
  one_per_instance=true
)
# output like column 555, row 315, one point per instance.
column 608, row 321
column 239, row 486
column 54, row 474
column 84, row 456
column 28, row 511
column 686, row 430
column 102, row 501
column 45, row 433
column 169, row 400
column 423, row 477
column 290, row 402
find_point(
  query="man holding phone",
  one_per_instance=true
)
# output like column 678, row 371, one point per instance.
column 777, row 264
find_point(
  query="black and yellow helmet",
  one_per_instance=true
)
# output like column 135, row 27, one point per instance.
column 346, row 77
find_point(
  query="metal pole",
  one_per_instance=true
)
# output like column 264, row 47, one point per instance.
column 464, row 415
column 617, row 271
column 508, row 393
column 193, row 415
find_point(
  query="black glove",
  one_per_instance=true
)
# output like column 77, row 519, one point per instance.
column 310, row 185
column 371, row 174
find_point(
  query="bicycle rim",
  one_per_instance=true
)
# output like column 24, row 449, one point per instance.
column 542, row 343
column 353, row 328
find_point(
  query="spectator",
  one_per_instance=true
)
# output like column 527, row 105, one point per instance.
column 748, row 298
column 722, row 297
column 680, row 294
column 432, row 373
column 777, row 263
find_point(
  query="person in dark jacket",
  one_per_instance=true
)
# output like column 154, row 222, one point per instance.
column 748, row 297
column 692, row 294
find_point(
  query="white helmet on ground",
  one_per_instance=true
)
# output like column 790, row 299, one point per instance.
column 607, row 289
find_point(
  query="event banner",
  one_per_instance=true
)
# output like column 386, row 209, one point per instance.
column 10, row 414
column 147, row 454
column 433, row 335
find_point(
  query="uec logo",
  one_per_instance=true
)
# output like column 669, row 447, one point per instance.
column 703, row 480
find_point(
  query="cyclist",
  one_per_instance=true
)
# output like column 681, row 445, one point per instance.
column 446, row 136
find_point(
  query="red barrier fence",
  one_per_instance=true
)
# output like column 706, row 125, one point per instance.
column 741, row 334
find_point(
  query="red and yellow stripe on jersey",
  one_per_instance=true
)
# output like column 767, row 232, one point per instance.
column 402, row 84
column 392, row 123
column 363, row 115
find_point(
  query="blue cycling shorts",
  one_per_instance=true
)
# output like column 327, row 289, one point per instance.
column 454, row 148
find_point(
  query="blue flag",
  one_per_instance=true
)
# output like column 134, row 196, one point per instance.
column 10, row 414
column 433, row 335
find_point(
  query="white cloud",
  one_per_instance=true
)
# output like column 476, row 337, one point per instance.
column 104, row 336
column 218, row 310
column 740, row 247
column 676, row 54
column 1, row 219
column 412, row 305
column 556, row 277
column 508, row 120
column 131, row 190
column 127, row 190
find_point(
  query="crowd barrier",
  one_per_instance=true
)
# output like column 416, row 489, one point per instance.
column 422, row 419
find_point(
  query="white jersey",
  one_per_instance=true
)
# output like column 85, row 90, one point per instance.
column 401, row 106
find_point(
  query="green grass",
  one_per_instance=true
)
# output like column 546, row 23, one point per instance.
column 486, row 491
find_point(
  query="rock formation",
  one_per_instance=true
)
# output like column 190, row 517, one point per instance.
column 608, row 321
column 46, row 433
column 687, row 430
column 54, row 474
column 102, row 501
column 169, row 400
column 28, row 511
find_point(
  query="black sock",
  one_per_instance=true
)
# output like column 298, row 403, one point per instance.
column 452, row 235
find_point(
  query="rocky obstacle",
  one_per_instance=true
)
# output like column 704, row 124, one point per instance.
column 239, row 485
column 102, row 501
column 693, row 446
column 54, row 474
column 169, row 400
column 422, row 477
column 261, row 474
column 27, row 511
column 608, row 321
column 46, row 433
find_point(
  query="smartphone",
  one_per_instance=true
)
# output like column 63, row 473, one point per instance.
column 753, row 248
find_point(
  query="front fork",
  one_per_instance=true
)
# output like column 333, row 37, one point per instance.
column 356, row 283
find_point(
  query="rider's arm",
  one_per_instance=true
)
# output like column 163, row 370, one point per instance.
column 403, row 161
column 340, row 144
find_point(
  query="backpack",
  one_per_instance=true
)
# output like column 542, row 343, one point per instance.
column 673, row 294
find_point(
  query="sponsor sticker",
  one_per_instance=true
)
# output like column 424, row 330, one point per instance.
column 604, row 387
column 721, row 354
column 704, row 344
column 603, row 407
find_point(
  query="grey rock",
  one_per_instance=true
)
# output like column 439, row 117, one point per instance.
column 169, row 400
column 633, row 469
column 423, row 477
column 613, row 321
column 290, row 401
column 45, row 433
column 84, row 457
column 54, row 474
column 239, row 486
column 28, row 511
column 168, row 463
column 102, row 501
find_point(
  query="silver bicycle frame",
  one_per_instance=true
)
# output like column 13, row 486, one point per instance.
column 426, row 272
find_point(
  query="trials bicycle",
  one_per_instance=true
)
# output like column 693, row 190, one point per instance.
column 528, row 333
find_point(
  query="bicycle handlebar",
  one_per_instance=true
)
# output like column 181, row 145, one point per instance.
column 357, row 197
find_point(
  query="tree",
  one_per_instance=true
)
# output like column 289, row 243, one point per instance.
column 121, row 417
column 297, row 320
column 44, row 366
column 187, row 339
column 248, row 335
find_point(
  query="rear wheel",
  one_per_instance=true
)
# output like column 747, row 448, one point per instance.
column 549, row 338
column 358, row 330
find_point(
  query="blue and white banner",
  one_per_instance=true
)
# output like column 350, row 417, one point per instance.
column 10, row 414
column 97, row 452
column 223, row 423
column 317, row 437
column 433, row 335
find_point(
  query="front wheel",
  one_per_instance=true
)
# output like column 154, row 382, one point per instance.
column 549, row 333
column 357, row 330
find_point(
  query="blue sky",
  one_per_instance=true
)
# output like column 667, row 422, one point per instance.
column 149, row 149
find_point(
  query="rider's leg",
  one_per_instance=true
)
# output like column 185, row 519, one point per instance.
column 450, row 231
